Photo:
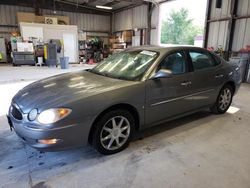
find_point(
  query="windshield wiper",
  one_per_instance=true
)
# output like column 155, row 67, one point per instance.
column 99, row 73
column 108, row 75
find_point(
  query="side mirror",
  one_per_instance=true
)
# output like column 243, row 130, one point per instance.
column 162, row 73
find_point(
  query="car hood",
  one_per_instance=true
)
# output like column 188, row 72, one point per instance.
column 60, row 90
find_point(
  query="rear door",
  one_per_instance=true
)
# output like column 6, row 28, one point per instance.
column 207, row 77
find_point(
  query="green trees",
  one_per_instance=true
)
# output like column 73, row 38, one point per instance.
column 178, row 29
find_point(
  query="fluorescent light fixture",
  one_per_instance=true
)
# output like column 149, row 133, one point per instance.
column 103, row 7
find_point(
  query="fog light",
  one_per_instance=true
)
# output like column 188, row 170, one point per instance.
column 49, row 141
column 32, row 115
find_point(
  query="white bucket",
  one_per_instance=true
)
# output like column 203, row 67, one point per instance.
column 40, row 60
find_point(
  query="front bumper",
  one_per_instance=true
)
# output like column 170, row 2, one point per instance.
column 69, row 136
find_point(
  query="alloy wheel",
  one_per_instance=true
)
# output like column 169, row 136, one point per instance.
column 115, row 133
column 225, row 99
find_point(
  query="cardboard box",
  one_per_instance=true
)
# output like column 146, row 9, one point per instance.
column 112, row 40
column 119, row 40
column 32, row 18
column 25, row 17
column 119, row 45
column 127, row 36
column 63, row 20
column 127, row 33
column 39, row 19
column 127, row 39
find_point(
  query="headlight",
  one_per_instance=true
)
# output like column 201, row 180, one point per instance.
column 53, row 115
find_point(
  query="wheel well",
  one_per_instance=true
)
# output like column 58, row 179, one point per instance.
column 124, row 106
column 232, row 84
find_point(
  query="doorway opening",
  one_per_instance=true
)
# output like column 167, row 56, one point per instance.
column 182, row 22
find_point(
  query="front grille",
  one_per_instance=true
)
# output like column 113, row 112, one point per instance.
column 16, row 112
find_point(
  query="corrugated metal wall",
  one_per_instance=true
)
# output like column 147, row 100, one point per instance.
column 224, row 11
column 123, row 20
column 140, row 15
column 8, row 17
column 242, row 26
column 218, row 25
column 87, row 22
column 131, row 18
column 218, row 30
column 8, row 14
column 217, row 34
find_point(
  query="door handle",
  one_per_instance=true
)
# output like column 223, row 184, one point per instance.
column 186, row 83
column 219, row 76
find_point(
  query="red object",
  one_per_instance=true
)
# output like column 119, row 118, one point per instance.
column 91, row 61
column 243, row 50
column 246, row 49
column 210, row 49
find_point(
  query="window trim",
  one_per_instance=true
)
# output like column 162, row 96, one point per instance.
column 202, row 52
column 171, row 53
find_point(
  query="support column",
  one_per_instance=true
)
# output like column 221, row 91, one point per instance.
column 150, row 10
column 231, row 27
column 37, row 4
column 208, row 14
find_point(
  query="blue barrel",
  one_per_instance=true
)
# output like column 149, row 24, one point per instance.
column 64, row 61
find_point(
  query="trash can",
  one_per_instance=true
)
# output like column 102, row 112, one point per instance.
column 242, row 63
column 248, row 76
column 64, row 61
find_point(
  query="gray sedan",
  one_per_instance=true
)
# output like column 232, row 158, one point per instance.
column 127, row 92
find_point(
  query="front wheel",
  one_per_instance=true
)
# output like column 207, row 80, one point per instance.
column 224, row 100
column 113, row 132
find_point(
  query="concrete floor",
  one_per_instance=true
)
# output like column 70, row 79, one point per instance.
column 201, row 150
column 8, row 73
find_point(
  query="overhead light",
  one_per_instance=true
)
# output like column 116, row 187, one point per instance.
column 103, row 7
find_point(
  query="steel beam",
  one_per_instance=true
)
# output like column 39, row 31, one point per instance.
column 61, row 5
column 129, row 7
column 150, row 11
column 208, row 14
column 231, row 27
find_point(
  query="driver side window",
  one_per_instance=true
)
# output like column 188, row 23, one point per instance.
column 174, row 63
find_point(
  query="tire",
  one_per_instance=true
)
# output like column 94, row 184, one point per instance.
column 224, row 100
column 113, row 131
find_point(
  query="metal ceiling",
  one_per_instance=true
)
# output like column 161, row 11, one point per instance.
column 83, row 6
column 115, row 4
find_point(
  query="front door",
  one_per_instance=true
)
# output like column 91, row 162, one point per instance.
column 168, row 97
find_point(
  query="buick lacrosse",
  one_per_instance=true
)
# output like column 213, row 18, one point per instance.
column 127, row 92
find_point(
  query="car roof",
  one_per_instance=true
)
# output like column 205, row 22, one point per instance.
column 163, row 49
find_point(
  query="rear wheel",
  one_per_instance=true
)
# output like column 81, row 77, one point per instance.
column 113, row 131
column 224, row 100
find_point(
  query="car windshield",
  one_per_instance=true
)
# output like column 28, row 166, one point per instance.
column 129, row 65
